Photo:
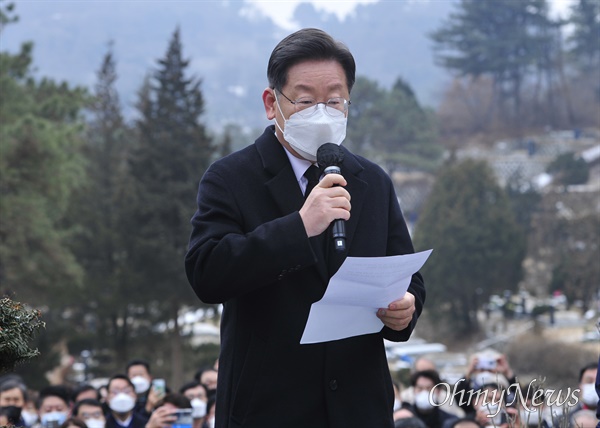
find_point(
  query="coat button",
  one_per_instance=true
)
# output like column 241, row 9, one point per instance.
column 333, row 385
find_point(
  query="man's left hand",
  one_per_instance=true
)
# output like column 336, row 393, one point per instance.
column 399, row 313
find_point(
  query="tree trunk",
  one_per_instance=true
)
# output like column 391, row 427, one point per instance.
column 176, row 348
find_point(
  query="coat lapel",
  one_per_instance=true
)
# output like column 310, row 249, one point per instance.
column 284, row 188
column 286, row 193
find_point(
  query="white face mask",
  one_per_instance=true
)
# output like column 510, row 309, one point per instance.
column 530, row 418
column 198, row 408
column 29, row 417
column 53, row 418
column 141, row 384
column 306, row 134
column 588, row 394
column 397, row 404
column 95, row 423
column 122, row 403
column 422, row 401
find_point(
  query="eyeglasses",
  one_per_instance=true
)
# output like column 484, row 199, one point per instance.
column 307, row 106
column 90, row 415
column 116, row 391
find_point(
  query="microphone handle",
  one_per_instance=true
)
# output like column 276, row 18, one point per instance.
column 338, row 227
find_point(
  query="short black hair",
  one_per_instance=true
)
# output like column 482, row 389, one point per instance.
column 199, row 373
column 178, row 400
column 138, row 362
column 190, row 385
column 86, row 402
column 119, row 376
column 590, row 366
column 412, row 422
column 74, row 421
column 61, row 391
column 429, row 374
column 308, row 44
column 83, row 388
column 461, row 420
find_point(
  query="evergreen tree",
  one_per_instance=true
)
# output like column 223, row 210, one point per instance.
column 171, row 155
column 18, row 326
column 392, row 127
column 40, row 165
column 505, row 39
column 99, row 209
column 478, row 246
column 584, row 41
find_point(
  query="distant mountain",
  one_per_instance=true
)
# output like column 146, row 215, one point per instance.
column 228, row 43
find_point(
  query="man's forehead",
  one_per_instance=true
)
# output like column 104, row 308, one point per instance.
column 53, row 400
column 87, row 408
column 119, row 383
column 12, row 392
column 137, row 369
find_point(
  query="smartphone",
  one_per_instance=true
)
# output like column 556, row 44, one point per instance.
column 159, row 386
column 184, row 418
column 485, row 363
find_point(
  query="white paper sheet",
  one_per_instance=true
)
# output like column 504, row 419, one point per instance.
column 360, row 287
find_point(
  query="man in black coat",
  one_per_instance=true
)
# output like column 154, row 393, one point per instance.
column 261, row 245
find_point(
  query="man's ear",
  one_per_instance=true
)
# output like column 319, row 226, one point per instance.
column 269, row 102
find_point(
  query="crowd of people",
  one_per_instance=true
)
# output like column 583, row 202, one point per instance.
column 490, row 394
column 132, row 399
column 486, row 396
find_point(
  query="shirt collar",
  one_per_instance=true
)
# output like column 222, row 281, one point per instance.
column 298, row 165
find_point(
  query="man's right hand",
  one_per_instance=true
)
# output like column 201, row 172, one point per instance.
column 328, row 201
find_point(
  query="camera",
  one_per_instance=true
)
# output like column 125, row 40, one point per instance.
column 486, row 363
column 184, row 418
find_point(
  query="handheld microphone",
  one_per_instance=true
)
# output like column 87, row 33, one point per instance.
column 330, row 156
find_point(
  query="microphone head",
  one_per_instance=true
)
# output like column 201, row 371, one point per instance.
column 330, row 154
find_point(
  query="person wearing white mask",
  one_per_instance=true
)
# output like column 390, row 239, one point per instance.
column 54, row 406
column 90, row 411
column 427, row 399
column 484, row 367
column 139, row 374
column 174, row 410
column 198, row 395
column 121, row 402
column 262, row 245
column 533, row 412
column 587, row 398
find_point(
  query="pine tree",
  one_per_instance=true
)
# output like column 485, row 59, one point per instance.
column 40, row 166
column 478, row 246
column 392, row 127
column 584, row 41
column 99, row 211
column 172, row 153
column 504, row 39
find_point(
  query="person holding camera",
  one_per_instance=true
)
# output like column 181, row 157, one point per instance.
column 483, row 367
column 173, row 409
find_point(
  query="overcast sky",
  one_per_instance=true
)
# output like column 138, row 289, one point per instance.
column 281, row 11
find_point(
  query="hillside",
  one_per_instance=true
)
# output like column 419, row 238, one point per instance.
column 227, row 42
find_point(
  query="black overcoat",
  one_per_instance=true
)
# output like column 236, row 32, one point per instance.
column 249, row 251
